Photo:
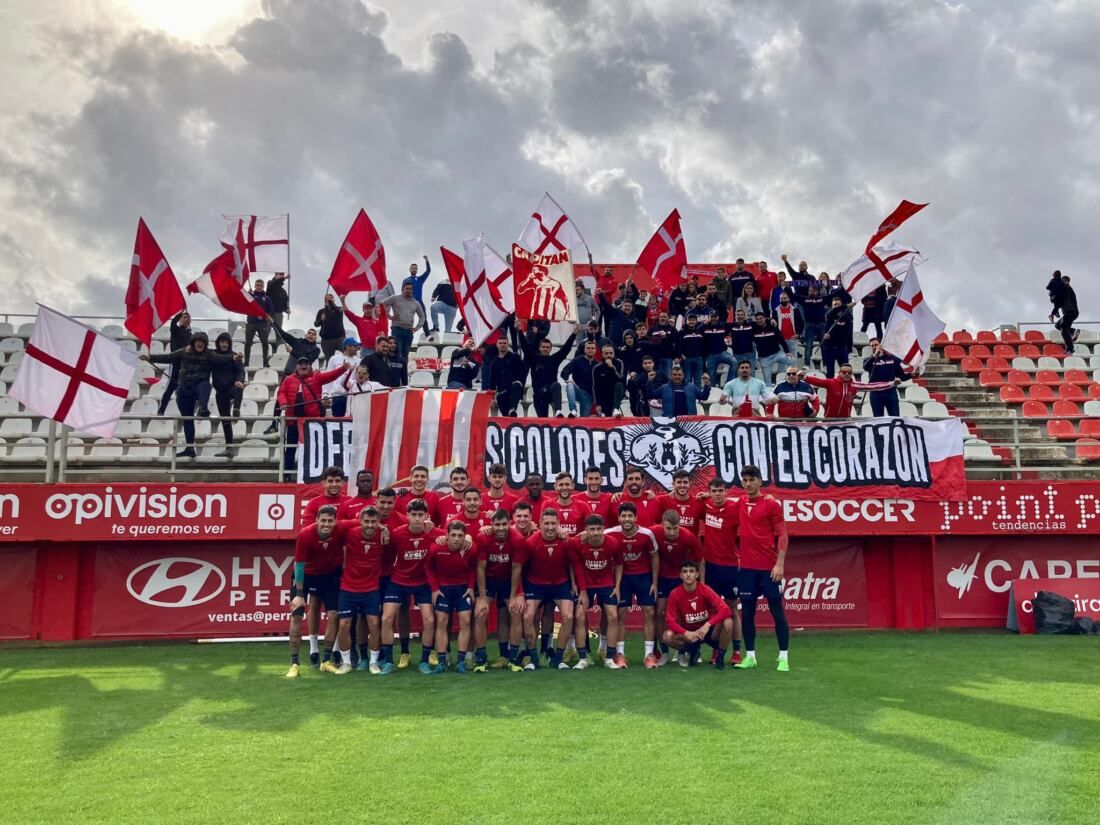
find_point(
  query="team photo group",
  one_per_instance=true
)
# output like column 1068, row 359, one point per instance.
column 540, row 565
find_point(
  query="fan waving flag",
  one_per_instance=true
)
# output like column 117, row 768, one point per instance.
column 74, row 375
column 225, row 280
column 913, row 326
column 665, row 256
column 862, row 278
column 392, row 432
column 154, row 294
column 864, row 275
column 544, row 285
column 456, row 275
column 266, row 240
column 550, row 230
column 360, row 265
column 479, row 290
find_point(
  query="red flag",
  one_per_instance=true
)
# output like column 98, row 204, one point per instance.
column 665, row 257
column 360, row 265
column 904, row 212
column 225, row 281
column 456, row 274
column 154, row 294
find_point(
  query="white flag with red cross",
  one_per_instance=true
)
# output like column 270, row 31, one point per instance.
column 266, row 240
column 874, row 269
column 225, row 281
column 74, row 375
column 550, row 230
column 480, row 289
column 912, row 326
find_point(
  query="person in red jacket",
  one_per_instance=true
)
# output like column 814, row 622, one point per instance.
column 841, row 392
column 695, row 614
column 299, row 396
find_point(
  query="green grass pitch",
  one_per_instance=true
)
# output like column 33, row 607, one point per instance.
column 867, row 728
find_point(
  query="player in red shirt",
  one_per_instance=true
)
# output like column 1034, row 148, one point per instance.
column 763, row 535
column 571, row 511
column 417, row 489
column 318, row 556
column 388, row 517
column 695, row 614
column 639, row 582
column 497, row 496
column 332, row 486
column 534, row 495
column 450, row 568
column 718, row 532
column 472, row 515
column 675, row 544
column 595, row 501
column 364, row 497
column 632, row 491
column 363, row 550
column 494, row 584
column 408, row 580
column 544, row 569
column 601, row 558
column 523, row 520
column 450, row 505
column 689, row 508
column 386, row 505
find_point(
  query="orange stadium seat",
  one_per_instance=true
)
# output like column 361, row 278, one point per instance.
column 999, row 364
column 1030, row 351
column 1062, row 430
column 1071, row 392
column 1088, row 449
column 1041, row 392
column 962, row 336
column 1004, row 351
column 1035, row 409
column 1011, row 394
column 1010, row 336
column 1047, row 377
column 954, row 352
column 1066, row 409
column 1076, row 377
column 979, row 351
column 990, row 378
column 1034, row 336
column 971, row 365
column 1054, row 351
column 1019, row 378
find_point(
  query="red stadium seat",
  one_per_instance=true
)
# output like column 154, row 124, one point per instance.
column 1041, row 392
column 941, row 340
column 1011, row 395
column 1076, row 377
column 1019, row 378
column 1034, row 336
column 1004, row 351
column 1047, row 377
column 1054, row 351
column 1088, row 449
column 971, row 365
column 1062, row 430
column 998, row 363
column 954, row 352
column 1035, row 409
column 985, row 336
column 1010, row 336
column 990, row 378
column 1094, row 391
column 1071, row 392
column 979, row 351
column 1066, row 409
column 1030, row 351
column 962, row 337
column 1090, row 427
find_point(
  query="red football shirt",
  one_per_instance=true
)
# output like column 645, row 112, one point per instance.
column 506, row 502
column 690, row 510
column 498, row 554
column 362, row 560
column 309, row 513
column 690, row 611
column 638, row 550
column 570, row 516
column 760, row 523
column 599, row 505
column 598, row 563
column 536, row 505
column 546, row 562
column 445, row 566
column 406, row 495
column 409, row 551
column 672, row 553
column 719, row 533
column 446, row 508
column 319, row 556
column 473, row 525
column 351, row 506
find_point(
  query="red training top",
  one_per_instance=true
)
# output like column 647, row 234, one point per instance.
column 410, row 549
column 351, row 506
column 498, row 554
column 309, row 513
column 638, row 550
column 406, row 495
column 598, row 563
column 691, row 610
column 690, row 511
column 320, row 556
column 447, row 567
column 547, row 562
column 719, row 534
column 761, row 524
column 674, row 552
column 362, row 559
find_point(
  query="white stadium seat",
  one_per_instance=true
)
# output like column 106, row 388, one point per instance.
column 978, row 450
column 8, row 405
column 267, row 377
column 31, row 448
column 917, row 394
column 422, row 378
column 256, row 392
column 934, row 409
column 1092, row 409
column 16, row 428
column 114, row 331
column 1023, row 364
column 146, row 450
column 105, row 449
column 1048, row 363
column 25, row 330
column 253, row 450
column 12, row 345
column 144, row 406
column 1074, row 362
column 6, row 329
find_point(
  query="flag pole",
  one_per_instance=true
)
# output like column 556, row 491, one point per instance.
column 287, row 261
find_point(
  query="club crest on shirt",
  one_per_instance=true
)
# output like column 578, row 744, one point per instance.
column 665, row 446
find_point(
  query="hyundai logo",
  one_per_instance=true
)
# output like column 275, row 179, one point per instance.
column 175, row 582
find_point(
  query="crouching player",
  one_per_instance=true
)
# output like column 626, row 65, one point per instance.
column 364, row 547
column 494, row 585
column 601, row 560
column 696, row 615
column 450, row 568
column 318, row 554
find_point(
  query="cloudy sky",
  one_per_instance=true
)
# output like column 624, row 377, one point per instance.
column 773, row 127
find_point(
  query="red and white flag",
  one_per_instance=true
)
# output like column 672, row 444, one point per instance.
column 912, row 326
column 665, row 256
column 392, row 432
column 225, row 280
column 874, row 269
column 551, row 230
column 545, row 289
column 360, row 265
column 74, row 375
column 154, row 294
column 480, row 291
column 266, row 240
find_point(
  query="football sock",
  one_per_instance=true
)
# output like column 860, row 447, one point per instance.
column 736, row 644
column 620, row 647
column 294, row 658
column 404, row 646
column 782, row 655
column 559, row 652
column 603, row 643
column 481, row 656
column 345, row 657
column 721, row 654
column 545, row 642
column 572, row 645
column 425, row 652
column 750, row 654
column 443, row 659
column 374, row 656
column 461, row 657
column 583, row 651
column 648, row 647
column 585, row 647
column 504, row 649
column 387, row 653
column 748, row 621
column 364, row 651
column 327, row 654
column 313, row 643
column 664, row 647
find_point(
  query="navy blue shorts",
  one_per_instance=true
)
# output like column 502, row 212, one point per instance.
column 400, row 593
column 383, row 586
column 602, row 596
column 755, row 583
column 723, row 579
column 547, row 592
column 325, row 588
column 666, row 584
column 636, row 586
column 361, row 604
column 498, row 590
column 453, row 599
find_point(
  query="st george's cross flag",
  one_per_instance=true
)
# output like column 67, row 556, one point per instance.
column 913, row 326
column 154, row 295
column 864, row 275
column 545, row 288
column 266, row 240
column 225, row 281
column 665, row 256
column 862, row 278
column 74, row 375
column 360, row 265
column 550, row 230
column 483, row 290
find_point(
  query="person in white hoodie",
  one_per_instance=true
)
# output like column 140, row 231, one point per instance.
column 335, row 391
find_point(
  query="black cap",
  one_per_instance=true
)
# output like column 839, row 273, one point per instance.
column 303, row 360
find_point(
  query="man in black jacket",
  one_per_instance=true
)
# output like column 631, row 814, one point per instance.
column 259, row 324
column 464, row 369
column 813, row 306
column 280, row 299
column 578, row 375
column 228, row 379
column 398, row 363
column 377, row 364
column 591, row 333
column 507, row 375
column 644, row 387
column 620, row 318
column 179, row 332
column 1069, row 315
column 608, row 384
column 883, row 368
column 330, row 322
column 544, row 366
column 836, row 343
